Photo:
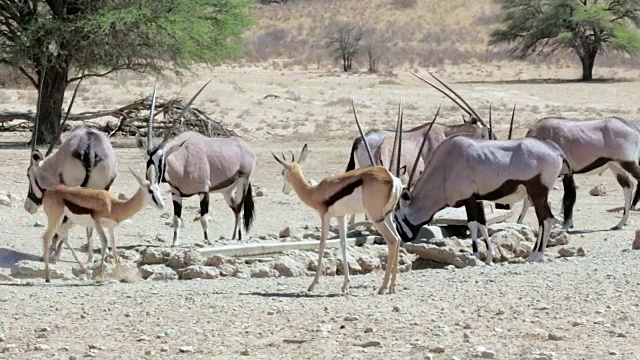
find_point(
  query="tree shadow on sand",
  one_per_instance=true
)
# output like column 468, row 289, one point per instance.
column 549, row 81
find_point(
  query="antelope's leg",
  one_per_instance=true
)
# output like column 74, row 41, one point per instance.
column 204, row 215
column 482, row 224
column 634, row 169
column 352, row 219
column 89, row 232
column 114, row 249
column 177, row 213
column 103, row 239
column 62, row 235
column 568, row 201
column 53, row 223
column 471, row 209
column 391, row 237
column 627, row 188
column 526, row 203
column 342, row 231
column 231, row 197
column 323, row 241
column 539, row 196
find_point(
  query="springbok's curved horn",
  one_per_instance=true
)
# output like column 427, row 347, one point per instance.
column 459, row 97
column 513, row 114
column 424, row 140
column 293, row 157
column 66, row 117
column 392, row 160
column 34, row 137
column 364, row 139
column 444, row 93
column 150, row 121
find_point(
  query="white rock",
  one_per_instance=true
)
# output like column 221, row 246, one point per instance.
column 199, row 272
column 41, row 347
column 5, row 200
column 35, row 269
column 543, row 355
column 598, row 190
column 187, row 349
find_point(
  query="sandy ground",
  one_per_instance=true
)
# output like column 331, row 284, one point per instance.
column 580, row 308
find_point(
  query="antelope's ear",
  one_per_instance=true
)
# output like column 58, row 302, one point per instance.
column 36, row 157
column 140, row 142
column 174, row 148
column 303, row 154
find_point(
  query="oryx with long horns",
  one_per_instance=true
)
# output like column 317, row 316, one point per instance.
column 372, row 190
column 194, row 164
column 592, row 146
column 86, row 159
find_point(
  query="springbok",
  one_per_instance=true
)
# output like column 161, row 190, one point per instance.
column 492, row 170
column 87, row 159
column 94, row 208
column 371, row 190
column 592, row 146
column 192, row 163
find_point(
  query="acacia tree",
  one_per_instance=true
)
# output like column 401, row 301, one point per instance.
column 586, row 27
column 54, row 43
column 343, row 40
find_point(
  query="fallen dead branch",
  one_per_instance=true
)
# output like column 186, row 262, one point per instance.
column 132, row 119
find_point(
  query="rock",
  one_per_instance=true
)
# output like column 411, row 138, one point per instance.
column 368, row 330
column 556, row 336
column 543, row 355
column 286, row 232
column 41, row 347
column 158, row 272
column 444, row 251
column 371, row 343
column 5, row 199
column 567, row 251
column 258, row 191
column 613, row 352
column 288, row 267
column 598, row 190
column 351, row 318
column 580, row 252
column 153, row 256
column 482, row 352
column 526, row 232
column 354, row 267
column 6, row 277
column 10, row 348
column 182, row 259
column 245, row 352
column 557, row 238
column 35, row 269
column 262, row 271
column 186, row 349
column 370, row 263
column 38, row 224
column 437, row 349
column 636, row 241
column 199, row 272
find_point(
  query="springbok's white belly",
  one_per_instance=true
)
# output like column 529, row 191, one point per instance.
column 350, row 204
column 87, row 221
column 518, row 195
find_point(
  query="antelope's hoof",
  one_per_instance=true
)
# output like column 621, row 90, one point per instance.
column 618, row 227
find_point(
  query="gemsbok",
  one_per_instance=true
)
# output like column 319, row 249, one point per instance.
column 592, row 146
column 493, row 170
column 94, row 208
column 371, row 190
column 194, row 164
column 86, row 158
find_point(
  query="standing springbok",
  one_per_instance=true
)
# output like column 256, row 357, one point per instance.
column 192, row 163
column 86, row 158
column 371, row 190
column 94, row 208
column 484, row 169
column 591, row 146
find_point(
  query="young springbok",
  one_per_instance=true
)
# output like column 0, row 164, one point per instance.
column 371, row 190
column 94, row 208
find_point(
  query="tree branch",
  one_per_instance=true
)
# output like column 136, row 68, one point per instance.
column 134, row 67
column 24, row 72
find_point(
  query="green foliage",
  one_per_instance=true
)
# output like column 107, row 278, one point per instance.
column 93, row 35
column 585, row 26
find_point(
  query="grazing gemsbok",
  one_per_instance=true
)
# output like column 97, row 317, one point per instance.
column 371, row 190
column 86, row 158
column 591, row 146
column 94, row 208
column 484, row 169
column 192, row 163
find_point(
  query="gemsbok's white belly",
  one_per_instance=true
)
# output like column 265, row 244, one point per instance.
column 350, row 204
column 518, row 195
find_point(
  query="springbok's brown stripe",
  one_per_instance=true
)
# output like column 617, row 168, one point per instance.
column 345, row 191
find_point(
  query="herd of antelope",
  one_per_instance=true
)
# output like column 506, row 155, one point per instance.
column 404, row 178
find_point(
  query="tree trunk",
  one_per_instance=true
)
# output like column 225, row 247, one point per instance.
column 55, row 83
column 588, row 60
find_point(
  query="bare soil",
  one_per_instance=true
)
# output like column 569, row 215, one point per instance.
column 576, row 308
